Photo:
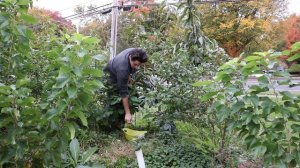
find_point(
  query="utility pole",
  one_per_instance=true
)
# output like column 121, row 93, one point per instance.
column 114, row 29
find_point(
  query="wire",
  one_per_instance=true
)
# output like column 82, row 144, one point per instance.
column 95, row 11
column 90, row 10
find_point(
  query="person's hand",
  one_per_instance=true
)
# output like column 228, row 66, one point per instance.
column 128, row 118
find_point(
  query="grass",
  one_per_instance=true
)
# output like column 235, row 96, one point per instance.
column 114, row 150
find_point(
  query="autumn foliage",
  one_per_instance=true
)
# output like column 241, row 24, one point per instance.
column 292, row 33
column 238, row 26
column 43, row 16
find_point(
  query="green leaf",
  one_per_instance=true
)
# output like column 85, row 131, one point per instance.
column 5, row 101
column 87, row 154
column 259, row 150
column 295, row 46
column 87, row 60
column 278, row 127
column 286, row 52
column 43, row 105
column 250, row 140
column 253, row 128
column 22, row 30
column 93, row 72
column 275, row 55
column 67, row 36
column 247, row 117
column 214, row 106
column 252, row 58
column 4, row 24
column 82, row 118
column 84, row 98
column 253, row 99
column 29, row 19
column 22, row 82
column 223, row 112
column 53, row 95
column 61, row 105
column 23, row 2
column 294, row 67
column 267, row 106
column 223, row 76
column 72, row 130
column 77, row 71
column 61, row 80
column 78, row 37
column 297, row 157
column 263, row 79
column 231, row 126
column 294, row 57
column 296, row 127
column 74, row 149
column 246, row 71
column 201, row 83
column 233, row 89
column 11, row 135
column 295, row 117
column 286, row 95
column 256, row 89
column 27, row 101
column 91, row 40
column 72, row 92
column 208, row 96
column 94, row 84
column 288, row 158
column 236, row 107
column 51, row 113
column 5, row 90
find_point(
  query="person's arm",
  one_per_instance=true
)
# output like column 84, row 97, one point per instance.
column 122, row 82
column 128, row 117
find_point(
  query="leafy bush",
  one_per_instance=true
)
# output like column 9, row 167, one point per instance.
column 43, row 98
column 269, row 125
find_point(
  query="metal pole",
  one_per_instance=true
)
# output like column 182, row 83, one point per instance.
column 114, row 29
column 77, row 27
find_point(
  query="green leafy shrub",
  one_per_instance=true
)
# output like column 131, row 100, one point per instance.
column 44, row 98
column 268, row 125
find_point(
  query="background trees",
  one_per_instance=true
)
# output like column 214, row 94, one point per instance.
column 239, row 26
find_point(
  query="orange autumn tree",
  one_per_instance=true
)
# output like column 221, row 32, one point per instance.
column 292, row 33
column 243, row 25
column 291, row 40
